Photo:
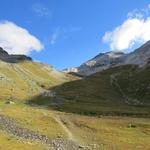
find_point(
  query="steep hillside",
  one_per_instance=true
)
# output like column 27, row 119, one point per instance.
column 123, row 90
column 21, row 78
column 140, row 56
column 24, row 127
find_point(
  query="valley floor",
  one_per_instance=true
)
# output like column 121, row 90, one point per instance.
column 38, row 128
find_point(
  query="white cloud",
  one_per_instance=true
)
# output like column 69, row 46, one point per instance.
column 41, row 10
column 17, row 40
column 136, row 29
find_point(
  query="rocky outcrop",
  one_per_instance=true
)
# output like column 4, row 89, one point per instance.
column 140, row 56
column 4, row 56
column 103, row 61
column 73, row 69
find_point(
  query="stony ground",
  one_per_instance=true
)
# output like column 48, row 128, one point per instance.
column 10, row 126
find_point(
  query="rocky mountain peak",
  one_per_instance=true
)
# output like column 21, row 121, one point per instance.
column 140, row 56
column 4, row 56
column 100, row 62
column 146, row 44
column 2, row 52
column 103, row 61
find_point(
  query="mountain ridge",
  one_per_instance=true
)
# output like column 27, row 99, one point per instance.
column 4, row 56
column 103, row 61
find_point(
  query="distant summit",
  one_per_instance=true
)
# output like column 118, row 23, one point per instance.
column 103, row 61
column 99, row 63
column 4, row 56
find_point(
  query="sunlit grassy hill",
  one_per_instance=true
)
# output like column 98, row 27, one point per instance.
column 117, row 91
column 26, row 79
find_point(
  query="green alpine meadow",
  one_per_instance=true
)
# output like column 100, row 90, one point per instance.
column 74, row 75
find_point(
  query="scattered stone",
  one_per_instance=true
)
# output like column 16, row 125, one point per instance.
column 10, row 126
column 10, row 102
column 59, row 136
column 131, row 125
column 81, row 146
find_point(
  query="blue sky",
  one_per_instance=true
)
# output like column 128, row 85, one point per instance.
column 72, row 31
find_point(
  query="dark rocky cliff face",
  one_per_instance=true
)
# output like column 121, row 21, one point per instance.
column 4, row 56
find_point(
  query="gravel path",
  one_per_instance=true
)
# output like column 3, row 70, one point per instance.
column 10, row 126
column 59, row 121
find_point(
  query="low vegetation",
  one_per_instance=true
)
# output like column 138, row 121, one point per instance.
column 82, row 103
column 118, row 91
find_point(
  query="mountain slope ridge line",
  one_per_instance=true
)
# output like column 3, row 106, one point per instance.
column 110, row 59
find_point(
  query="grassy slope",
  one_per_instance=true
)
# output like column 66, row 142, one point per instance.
column 20, row 82
column 128, row 93
column 27, row 79
column 109, row 132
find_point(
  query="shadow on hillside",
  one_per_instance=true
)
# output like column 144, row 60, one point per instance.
column 73, row 97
